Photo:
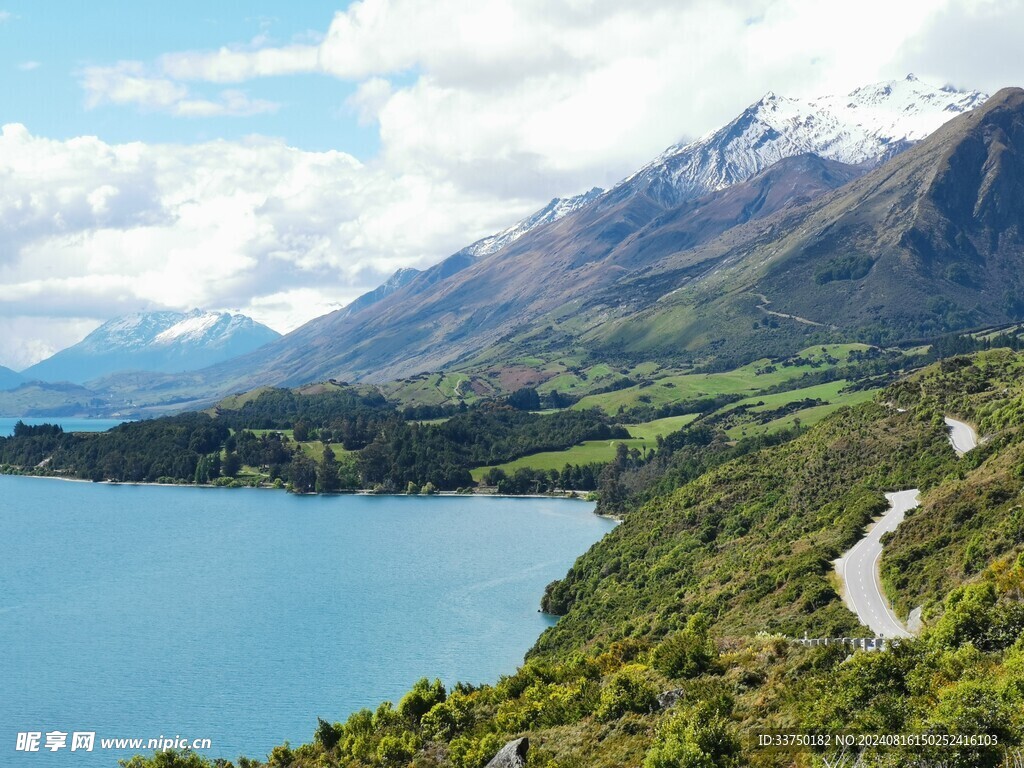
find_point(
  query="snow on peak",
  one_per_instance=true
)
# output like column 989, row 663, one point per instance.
column 194, row 328
column 866, row 125
column 553, row 211
column 144, row 330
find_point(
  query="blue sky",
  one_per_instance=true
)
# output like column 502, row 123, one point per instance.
column 280, row 159
column 45, row 44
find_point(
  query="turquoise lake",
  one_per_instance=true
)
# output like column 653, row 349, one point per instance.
column 242, row 615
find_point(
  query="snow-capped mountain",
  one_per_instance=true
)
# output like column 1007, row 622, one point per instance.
column 866, row 125
column 167, row 342
column 558, row 208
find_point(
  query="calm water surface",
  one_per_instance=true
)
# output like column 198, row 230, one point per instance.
column 69, row 424
column 242, row 615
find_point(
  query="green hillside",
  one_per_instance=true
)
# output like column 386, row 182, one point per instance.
column 697, row 591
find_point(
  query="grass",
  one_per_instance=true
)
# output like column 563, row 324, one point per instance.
column 595, row 451
column 744, row 380
column 434, row 389
column 673, row 388
column 312, row 448
column 650, row 430
column 315, row 449
column 808, row 416
column 829, row 391
column 590, row 452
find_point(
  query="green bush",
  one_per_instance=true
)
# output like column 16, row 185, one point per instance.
column 694, row 738
column 688, row 653
column 627, row 691
column 423, row 697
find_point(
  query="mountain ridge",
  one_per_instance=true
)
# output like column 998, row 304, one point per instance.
column 9, row 379
column 556, row 209
column 159, row 341
column 601, row 277
column 459, row 309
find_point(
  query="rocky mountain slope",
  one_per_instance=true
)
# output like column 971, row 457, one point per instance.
column 416, row 330
column 928, row 243
column 154, row 341
column 688, row 196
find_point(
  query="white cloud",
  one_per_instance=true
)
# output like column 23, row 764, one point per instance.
column 534, row 98
column 975, row 44
column 485, row 111
column 129, row 83
column 89, row 230
column 229, row 65
column 28, row 66
column 27, row 339
column 5, row 16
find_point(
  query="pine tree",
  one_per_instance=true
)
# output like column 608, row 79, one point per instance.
column 327, row 472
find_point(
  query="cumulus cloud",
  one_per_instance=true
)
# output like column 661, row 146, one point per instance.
column 530, row 97
column 91, row 230
column 484, row 111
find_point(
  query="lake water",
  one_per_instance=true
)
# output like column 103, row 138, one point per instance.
column 242, row 615
column 69, row 424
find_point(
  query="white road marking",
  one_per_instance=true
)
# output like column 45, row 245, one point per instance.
column 865, row 599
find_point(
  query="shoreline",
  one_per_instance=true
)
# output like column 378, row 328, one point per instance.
column 571, row 496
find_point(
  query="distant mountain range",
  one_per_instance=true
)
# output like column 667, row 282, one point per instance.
column 891, row 213
column 929, row 243
column 9, row 379
column 168, row 342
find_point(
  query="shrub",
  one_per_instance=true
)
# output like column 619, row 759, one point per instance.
column 627, row 691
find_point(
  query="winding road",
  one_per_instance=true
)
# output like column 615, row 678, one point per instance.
column 962, row 436
column 858, row 570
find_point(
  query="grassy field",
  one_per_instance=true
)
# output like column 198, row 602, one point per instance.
column 594, row 451
column 645, row 435
column 312, row 448
column 659, row 386
column 590, row 452
column 829, row 391
column 435, row 389
column 651, row 429
column 749, row 379
column 808, row 416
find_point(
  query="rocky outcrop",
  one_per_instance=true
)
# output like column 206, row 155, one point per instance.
column 512, row 755
column 669, row 699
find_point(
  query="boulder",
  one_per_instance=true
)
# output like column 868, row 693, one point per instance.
column 512, row 755
column 670, row 698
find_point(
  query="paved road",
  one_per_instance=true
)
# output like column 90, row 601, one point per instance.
column 858, row 570
column 962, row 436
